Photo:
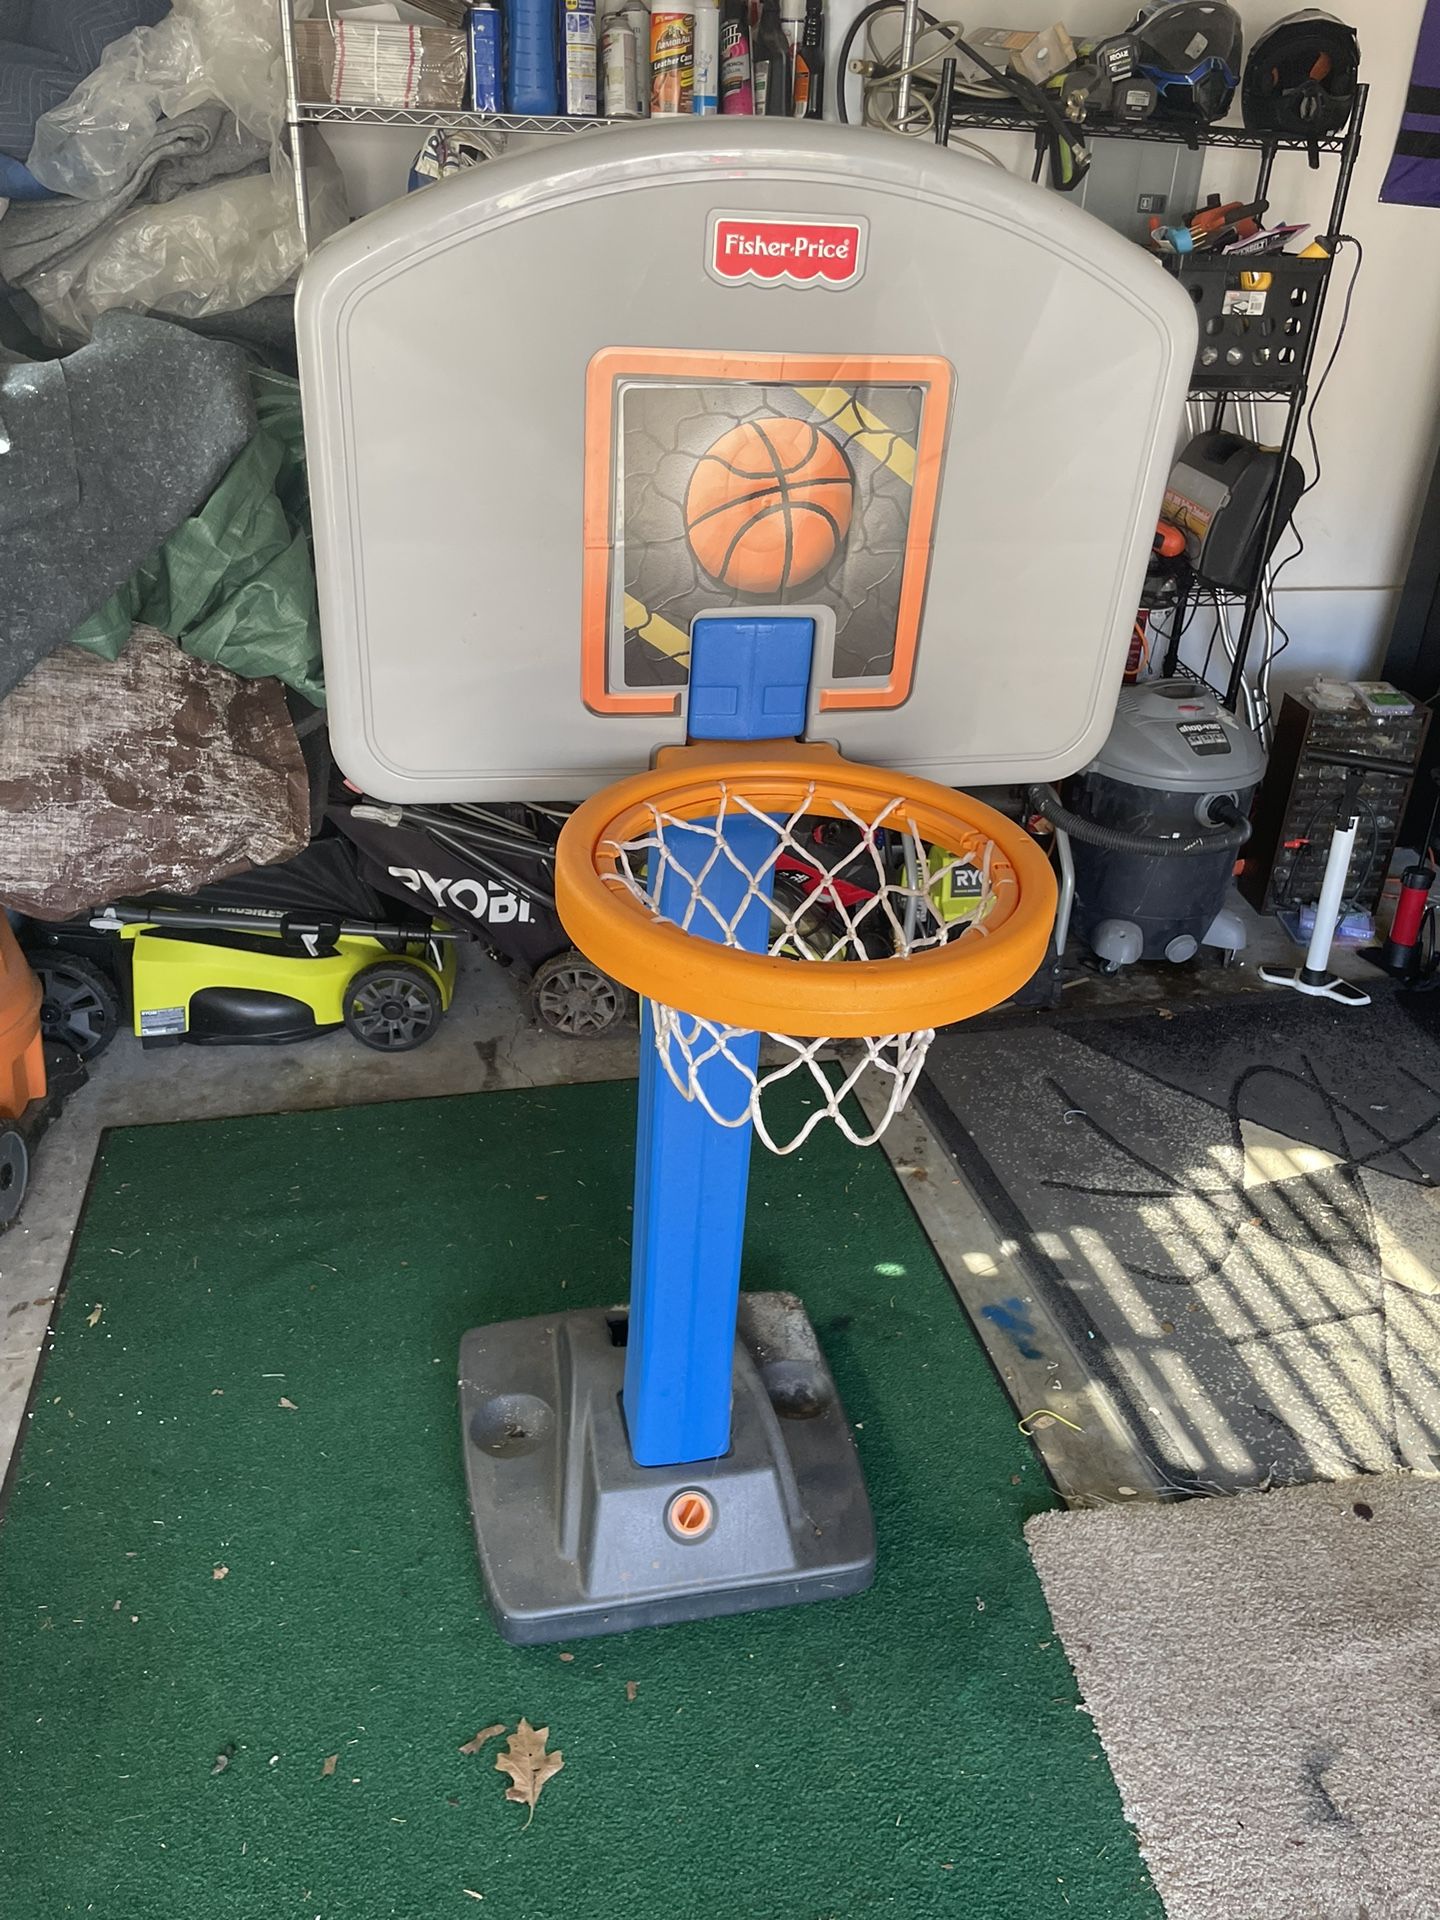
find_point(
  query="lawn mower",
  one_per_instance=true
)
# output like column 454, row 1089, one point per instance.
column 276, row 954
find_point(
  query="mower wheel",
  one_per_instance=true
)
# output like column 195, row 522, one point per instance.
column 14, row 1173
column 80, row 1007
column 392, row 1006
column 574, row 998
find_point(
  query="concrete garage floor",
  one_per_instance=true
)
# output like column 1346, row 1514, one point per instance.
column 488, row 1042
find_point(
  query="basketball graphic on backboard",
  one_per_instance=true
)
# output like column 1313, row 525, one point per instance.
column 769, row 504
column 724, row 481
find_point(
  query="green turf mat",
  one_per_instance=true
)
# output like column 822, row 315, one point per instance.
column 913, row 1751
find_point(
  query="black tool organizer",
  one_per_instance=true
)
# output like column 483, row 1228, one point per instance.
column 1323, row 767
column 1240, row 358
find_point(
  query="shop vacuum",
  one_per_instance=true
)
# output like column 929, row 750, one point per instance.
column 1155, row 822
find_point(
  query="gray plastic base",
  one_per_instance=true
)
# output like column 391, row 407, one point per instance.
column 573, row 1536
column 1120, row 942
column 1226, row 931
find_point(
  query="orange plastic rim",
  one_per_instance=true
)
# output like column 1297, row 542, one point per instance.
column 771, row 993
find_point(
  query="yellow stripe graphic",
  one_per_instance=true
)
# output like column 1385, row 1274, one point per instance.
column 862, row 428
column 660, row 633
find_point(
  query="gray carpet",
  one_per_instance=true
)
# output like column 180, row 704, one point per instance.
column 1234, row 1215
column 1264, row 1673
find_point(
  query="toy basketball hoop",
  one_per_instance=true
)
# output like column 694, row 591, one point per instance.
column 732, row 525
column 779, row 889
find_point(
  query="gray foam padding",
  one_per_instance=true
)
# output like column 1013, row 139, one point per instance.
column 102, row 454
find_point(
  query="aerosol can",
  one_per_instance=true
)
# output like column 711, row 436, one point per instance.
column 625, row 71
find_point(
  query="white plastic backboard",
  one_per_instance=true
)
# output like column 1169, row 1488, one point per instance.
column 562, row 404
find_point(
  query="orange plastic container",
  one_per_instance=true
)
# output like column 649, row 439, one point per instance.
column 22, row 1059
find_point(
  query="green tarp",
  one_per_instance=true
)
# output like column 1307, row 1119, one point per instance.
column 235, row 583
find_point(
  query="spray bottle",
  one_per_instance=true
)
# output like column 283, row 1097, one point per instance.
column 737, row 92
column 532, row 82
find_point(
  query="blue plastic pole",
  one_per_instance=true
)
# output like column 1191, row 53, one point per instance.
column 748, row 681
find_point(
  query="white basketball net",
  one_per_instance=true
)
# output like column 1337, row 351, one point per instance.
column 835, row 892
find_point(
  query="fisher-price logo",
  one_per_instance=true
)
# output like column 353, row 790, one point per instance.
column 789, row 251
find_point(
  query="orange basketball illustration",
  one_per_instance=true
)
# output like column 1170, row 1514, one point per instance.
column 769, row 505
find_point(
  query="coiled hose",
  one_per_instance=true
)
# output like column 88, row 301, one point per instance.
column 1226, row 838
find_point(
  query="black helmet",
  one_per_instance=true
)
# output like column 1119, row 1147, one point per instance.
column 1191, row 50
column 1302, row 75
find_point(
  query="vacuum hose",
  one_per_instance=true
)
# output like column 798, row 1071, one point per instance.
column 1227, row 837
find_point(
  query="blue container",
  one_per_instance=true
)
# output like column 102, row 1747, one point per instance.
column 531, row 65
column 483, row 23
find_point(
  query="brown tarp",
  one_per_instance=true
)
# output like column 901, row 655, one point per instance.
column 147, row 772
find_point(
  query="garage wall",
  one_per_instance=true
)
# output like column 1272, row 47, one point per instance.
column 1379, row 419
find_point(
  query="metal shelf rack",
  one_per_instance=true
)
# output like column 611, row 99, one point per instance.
column 321, row 113
column 301, row 115
column 1344, row 148
column 1017, row 119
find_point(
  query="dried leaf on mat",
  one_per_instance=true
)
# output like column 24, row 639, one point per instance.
column 331, row 1760
column 485, row 1733
column 528, row 1765
column 289, row 1405
column 218, row 1573
column 93, row 1319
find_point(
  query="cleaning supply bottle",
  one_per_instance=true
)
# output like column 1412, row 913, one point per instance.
column 622, row 95
column 487, row 87
column 792, row 25
column 532, row 74
column 811, row 63
column 580, row 76
column 706, row 97
column 771, row 61
column 672, row 58
column 737, row 93
column 637, row 12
